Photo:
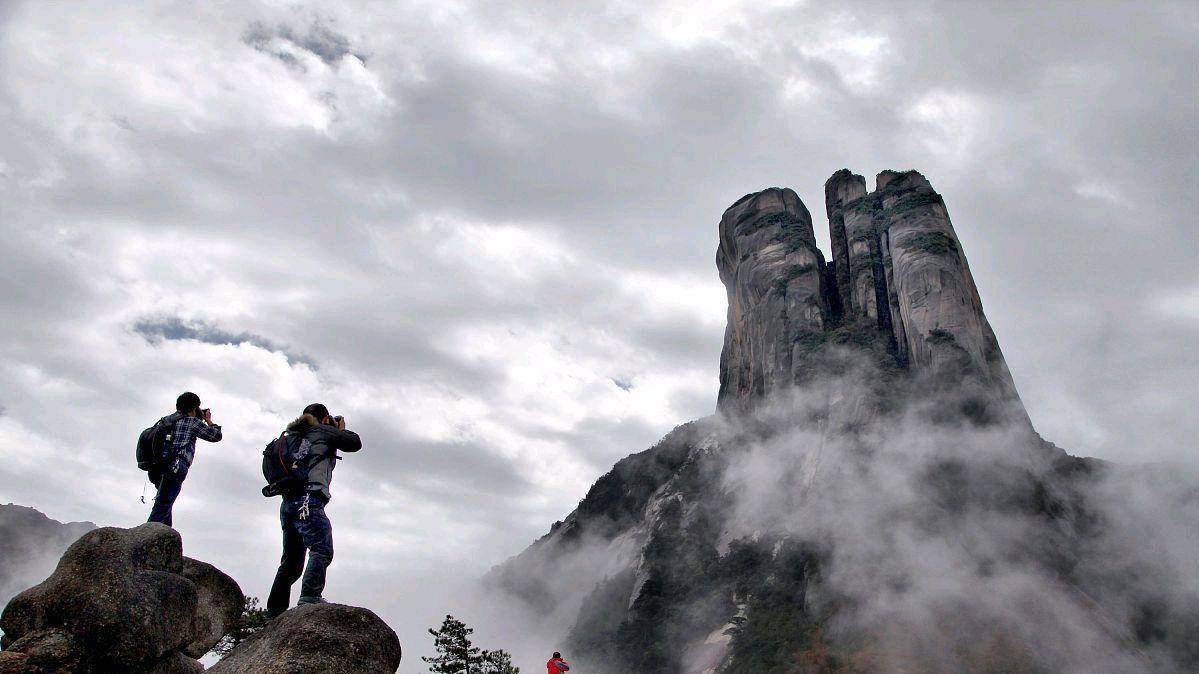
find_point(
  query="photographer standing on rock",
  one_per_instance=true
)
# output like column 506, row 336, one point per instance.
column 184, row 426
column 309, row 447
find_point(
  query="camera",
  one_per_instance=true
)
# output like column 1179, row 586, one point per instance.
column 203, row 413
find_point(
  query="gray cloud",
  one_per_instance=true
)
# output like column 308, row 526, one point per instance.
column 155, row 329
column 624, row 384
column 321, row 40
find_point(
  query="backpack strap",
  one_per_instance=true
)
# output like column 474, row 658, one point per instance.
column 169, row 423
column 279, row 451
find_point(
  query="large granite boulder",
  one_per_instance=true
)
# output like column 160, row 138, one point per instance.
column 121, row 600
column 219, row 603
column 326, row 638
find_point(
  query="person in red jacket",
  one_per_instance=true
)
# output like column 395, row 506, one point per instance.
column 556, row 664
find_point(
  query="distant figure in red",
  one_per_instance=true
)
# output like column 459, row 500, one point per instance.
column 556, row 664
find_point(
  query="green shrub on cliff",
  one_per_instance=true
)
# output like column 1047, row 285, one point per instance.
column 932, row 242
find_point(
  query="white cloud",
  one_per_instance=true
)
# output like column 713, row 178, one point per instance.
column 1100, row 191
column 951, row 122
column 1178, row 303
column 857, row 56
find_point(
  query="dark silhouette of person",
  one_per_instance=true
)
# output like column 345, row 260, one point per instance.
column 306, row 527
column 190, row 422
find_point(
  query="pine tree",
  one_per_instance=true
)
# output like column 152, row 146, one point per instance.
column 457, row 655
column 253, row 620
column 498, row 662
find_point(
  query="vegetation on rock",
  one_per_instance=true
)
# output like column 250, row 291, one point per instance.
column 253, row 620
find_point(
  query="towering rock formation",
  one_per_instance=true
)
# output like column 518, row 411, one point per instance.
column 899, row 275
column 769, row 262
column 870, row 496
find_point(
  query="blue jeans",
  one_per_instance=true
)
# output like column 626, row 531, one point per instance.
column 169, row 486
column 306, row 528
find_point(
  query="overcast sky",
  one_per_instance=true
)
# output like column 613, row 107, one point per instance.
column 486, row 235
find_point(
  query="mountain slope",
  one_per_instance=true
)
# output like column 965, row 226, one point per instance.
column 30, row 545
column 870, row 495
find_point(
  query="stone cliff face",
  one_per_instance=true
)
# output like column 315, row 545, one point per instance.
column 774, row 275
column 868, row 437
column 898, row 275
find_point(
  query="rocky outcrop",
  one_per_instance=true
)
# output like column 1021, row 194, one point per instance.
column 898, row 276
column 121, row 600
column 327, row 638
column 127, row 600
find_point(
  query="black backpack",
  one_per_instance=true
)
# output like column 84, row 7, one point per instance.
column 285, row 465
column 154, row 447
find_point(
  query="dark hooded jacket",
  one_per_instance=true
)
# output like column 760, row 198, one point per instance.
column 325, row 441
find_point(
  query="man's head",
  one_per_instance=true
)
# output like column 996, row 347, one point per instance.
column 187, row 403
column 317, row 410
column 557, row 654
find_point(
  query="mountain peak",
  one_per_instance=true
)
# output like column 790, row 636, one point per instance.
column 870, row 495
column 898, row 277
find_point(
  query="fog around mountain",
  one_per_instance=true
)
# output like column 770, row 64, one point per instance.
column 30, row 545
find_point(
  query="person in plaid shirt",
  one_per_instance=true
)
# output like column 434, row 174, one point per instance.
column 190, row 422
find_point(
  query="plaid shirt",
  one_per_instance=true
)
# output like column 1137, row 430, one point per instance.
column 187, row 429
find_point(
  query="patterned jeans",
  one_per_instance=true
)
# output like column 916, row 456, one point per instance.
column 306, row 528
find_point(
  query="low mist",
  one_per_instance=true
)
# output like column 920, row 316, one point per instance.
column 926, row 541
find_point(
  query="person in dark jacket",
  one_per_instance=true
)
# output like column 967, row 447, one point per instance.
column 306, row 528
column 190, row 422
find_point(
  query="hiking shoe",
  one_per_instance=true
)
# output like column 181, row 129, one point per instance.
column 311, row 600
